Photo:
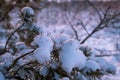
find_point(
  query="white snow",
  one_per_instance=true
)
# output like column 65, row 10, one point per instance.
column 42, row 54
column 70, row 44
column 27, row 11
column 92, row 65
column 7, row 58
column 70, row 56
column 44, row 70
column 111, row 68
column 60, row 39
column 54, row 65
column 2, row 76
column 105, row 65
column 65, row 78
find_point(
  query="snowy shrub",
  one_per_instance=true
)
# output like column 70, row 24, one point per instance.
column 28, row 54
column 27, row 13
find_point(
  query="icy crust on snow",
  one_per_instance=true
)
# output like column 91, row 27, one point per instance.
column 71, row 56
column 42, row 53
column 2, row 76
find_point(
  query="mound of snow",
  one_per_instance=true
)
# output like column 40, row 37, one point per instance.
column 71, row 57
column 70, row 44
column 42, row 41
column 42, row 54
column 105, row 65
column 60, row 39
column 92, row 65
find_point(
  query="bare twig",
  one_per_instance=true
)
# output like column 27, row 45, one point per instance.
column 83, row 26
column 103, row 23
column 70, row 21
column 16, row 60
column 98, row 12
column 104, row 55
column 5, row 48
column 72, row 26
column 24, row 66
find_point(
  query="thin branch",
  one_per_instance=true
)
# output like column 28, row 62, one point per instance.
column 5, row 48
column 98, row 12
column 104, row 55
column 72, row 26
column 24, row 66
column 15, row 77
column 83, row 26
column 92, row 32
column 16, row 60
column 103, row 23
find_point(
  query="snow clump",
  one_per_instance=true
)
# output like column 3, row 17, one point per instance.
column 71, row 56
column 92, row 66
column 42, row 53
column 105, row 65
column 60, row 39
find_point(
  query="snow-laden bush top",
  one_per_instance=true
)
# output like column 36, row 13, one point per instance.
column 92, row 66
column 45, row 46
column 70, row 44
column 60, row 39
column 71, row 57
column 27, row 13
